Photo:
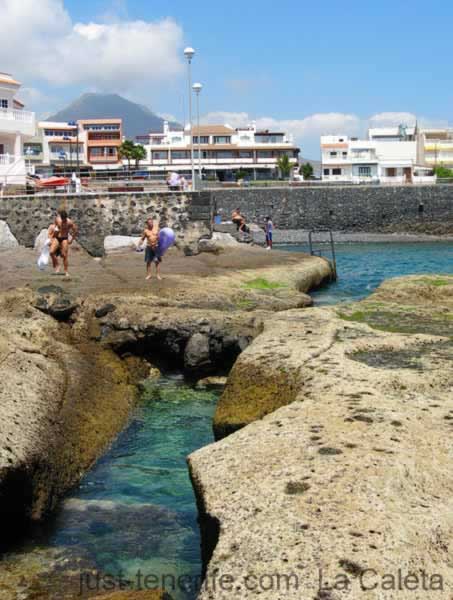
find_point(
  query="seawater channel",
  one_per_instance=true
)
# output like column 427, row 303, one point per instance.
column 134, row 514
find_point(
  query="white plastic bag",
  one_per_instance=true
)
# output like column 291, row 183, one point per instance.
column 43, row 259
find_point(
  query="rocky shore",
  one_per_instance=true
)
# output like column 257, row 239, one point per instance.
column 330, row 478
column 345, row 490
column 72, row 352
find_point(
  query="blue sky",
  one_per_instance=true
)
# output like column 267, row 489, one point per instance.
column 311, row 67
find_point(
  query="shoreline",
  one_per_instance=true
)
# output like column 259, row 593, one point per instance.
column 300, row 236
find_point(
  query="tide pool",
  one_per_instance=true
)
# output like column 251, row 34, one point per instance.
column 362, row 267
column 134, row 514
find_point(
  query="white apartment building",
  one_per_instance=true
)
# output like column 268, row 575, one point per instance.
column 16, row 127
column 437, row 147
column 219, row 151
column 54, row 146
column 390, row 155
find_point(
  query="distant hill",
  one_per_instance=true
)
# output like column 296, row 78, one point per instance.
column 137, row 119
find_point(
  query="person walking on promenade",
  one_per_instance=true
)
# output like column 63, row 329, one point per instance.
column 61, row 233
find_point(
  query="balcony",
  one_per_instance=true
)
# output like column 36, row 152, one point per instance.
column 58, row 156
column 364, row 157
column 17, row 121
column 104, row 159
column 6, row 159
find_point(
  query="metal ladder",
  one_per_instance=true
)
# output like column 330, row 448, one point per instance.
column 313, row 252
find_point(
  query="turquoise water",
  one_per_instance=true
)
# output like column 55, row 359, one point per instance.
column 362, row 267
column 135, row 511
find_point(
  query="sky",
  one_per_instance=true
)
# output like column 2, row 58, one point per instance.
column 308, row 68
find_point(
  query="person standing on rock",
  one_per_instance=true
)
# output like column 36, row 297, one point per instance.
column 151, row 235
column 268, row 229
column 61, row 233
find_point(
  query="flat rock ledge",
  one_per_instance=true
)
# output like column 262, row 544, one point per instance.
column 345, row 492
column 61, row 403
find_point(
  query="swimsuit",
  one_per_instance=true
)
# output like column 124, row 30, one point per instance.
column 152, row 255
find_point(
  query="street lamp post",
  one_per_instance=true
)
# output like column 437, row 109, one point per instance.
column 29, row 153
column 67, row 138
column 197, row 87
column 74, row 124
column 189, row 54
column 62, row 156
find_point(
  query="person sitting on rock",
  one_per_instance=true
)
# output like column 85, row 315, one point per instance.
column 239, row 220
column 151, row 235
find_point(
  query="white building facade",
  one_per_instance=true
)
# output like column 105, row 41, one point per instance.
column 387, row 156
column 219, row 151
column 437, row 147
column 16, row 127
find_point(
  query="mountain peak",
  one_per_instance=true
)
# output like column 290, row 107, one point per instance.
column 137, row 119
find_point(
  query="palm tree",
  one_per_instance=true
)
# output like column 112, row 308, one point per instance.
column 138, row 154
column 126, row 150
column 306, row 170
column 284, row 165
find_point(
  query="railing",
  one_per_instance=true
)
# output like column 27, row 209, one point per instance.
column 101, row 159
column 68, row 157
column 314, row 252
column 16, row 115
column 7, row 159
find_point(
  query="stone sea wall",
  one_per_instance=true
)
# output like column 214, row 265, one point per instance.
column 100, row 215
column 414, row 209
column 345, row 208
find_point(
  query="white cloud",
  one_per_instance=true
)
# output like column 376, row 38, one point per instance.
column 168, row 117
column 393, row 119
column 33, row 96
column 226, row 118
column 43, row 43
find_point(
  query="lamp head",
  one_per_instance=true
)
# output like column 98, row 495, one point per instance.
column 189, row 53
column 197, row 87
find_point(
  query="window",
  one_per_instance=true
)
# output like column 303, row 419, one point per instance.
column 336, row 171
column 59, row 149
column 264, row 154
column 345, row 154
column 111, row 152
column 60, row 133
column 3, row 103
column 104, row 135
column 32, row 149
column 333, row 154
column 365, row 171
column 96, row 151
column 204, row 154
column 180, row 154
column 157, row 155
column 204, row 139
column 326, row 171
column 269, row 139
column 222, row 139
column 245, row 154
column 224, row 154
column 101, row 127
